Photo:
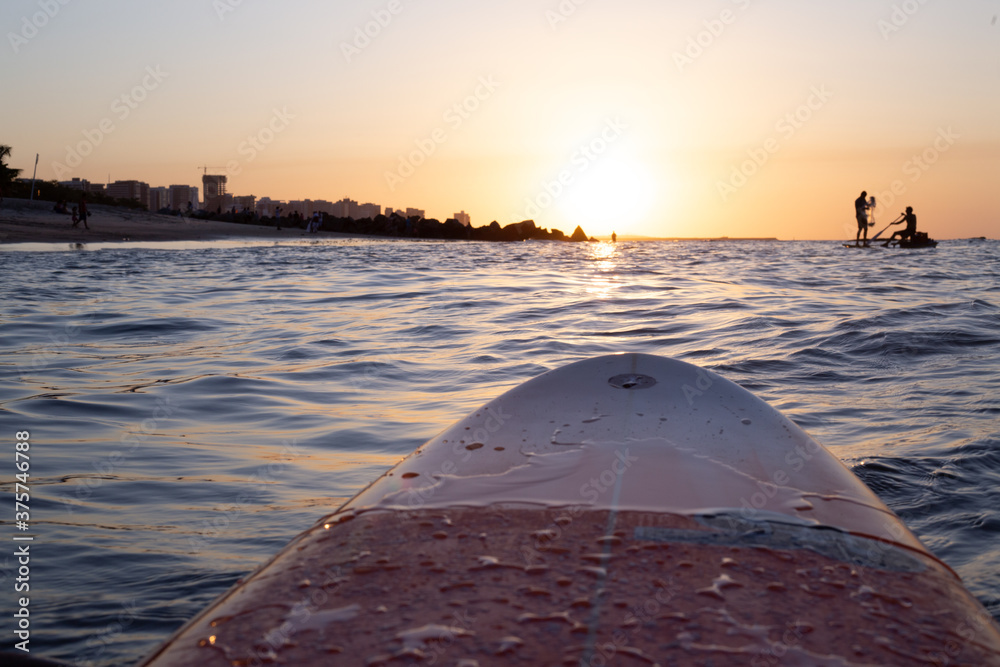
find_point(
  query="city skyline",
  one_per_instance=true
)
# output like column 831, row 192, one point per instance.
column 150, row 195
column 729, row 118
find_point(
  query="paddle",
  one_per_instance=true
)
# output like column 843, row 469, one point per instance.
column 899, row 219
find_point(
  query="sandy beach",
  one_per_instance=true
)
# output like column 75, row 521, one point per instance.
column 23, row 221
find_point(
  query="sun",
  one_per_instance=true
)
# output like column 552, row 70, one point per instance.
column 615, row 193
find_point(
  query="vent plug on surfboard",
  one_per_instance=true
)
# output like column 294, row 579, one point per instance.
column 632, row 381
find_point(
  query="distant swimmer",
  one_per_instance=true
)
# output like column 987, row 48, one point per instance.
column 861, row 213
column 904, row 234
column 614, row 237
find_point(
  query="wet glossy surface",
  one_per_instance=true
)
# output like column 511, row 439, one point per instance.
column 196, row 409
column 684, row 441
column 513, row 587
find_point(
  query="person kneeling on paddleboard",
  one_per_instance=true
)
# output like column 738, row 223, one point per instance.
column 904, row 234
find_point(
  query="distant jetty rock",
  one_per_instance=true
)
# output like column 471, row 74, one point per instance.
column 397, row 226
column 451, row 229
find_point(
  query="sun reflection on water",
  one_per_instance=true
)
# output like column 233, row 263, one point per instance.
column 605, row 278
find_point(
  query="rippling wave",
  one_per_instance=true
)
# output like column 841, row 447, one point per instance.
column 193, row 409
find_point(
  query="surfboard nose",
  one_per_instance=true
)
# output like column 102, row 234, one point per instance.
column 636, row 432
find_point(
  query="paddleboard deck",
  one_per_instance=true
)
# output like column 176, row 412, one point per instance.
column 626, row 509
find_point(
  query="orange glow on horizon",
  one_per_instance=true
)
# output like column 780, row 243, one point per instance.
column 747, row 119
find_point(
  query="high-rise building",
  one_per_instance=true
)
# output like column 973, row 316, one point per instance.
column 181, row 195
column 464, row 218
column 346, row 208
column 415, row 213
column 76, row 184
column 323, row 206
column 215, row 192
column 267, row 207
column 159, row 198
column 245, row 203
column 302, row 207
column 134, row 190
column 369, row 211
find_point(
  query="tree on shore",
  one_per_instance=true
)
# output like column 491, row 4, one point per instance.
column 7, row 175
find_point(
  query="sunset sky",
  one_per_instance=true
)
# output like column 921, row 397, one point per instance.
column 712, row 118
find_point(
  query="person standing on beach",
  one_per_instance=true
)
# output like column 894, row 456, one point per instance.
column 84, row 213
column 861, row 213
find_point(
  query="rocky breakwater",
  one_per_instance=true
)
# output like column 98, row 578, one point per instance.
column 399, row 227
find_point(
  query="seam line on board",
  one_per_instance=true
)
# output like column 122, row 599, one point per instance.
column 595, row 614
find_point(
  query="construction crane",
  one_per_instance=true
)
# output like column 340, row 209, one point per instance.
column 212, row 168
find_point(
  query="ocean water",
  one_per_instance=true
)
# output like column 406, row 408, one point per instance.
column 192, row 407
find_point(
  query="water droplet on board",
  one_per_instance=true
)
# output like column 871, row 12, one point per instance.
column 411, row 475
column 487, row 562
column 747, row 422
column 534, row 591
column 431, row 632
column 474, row 446
column 508, row 645
column 594, row 571
column 600, row 559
